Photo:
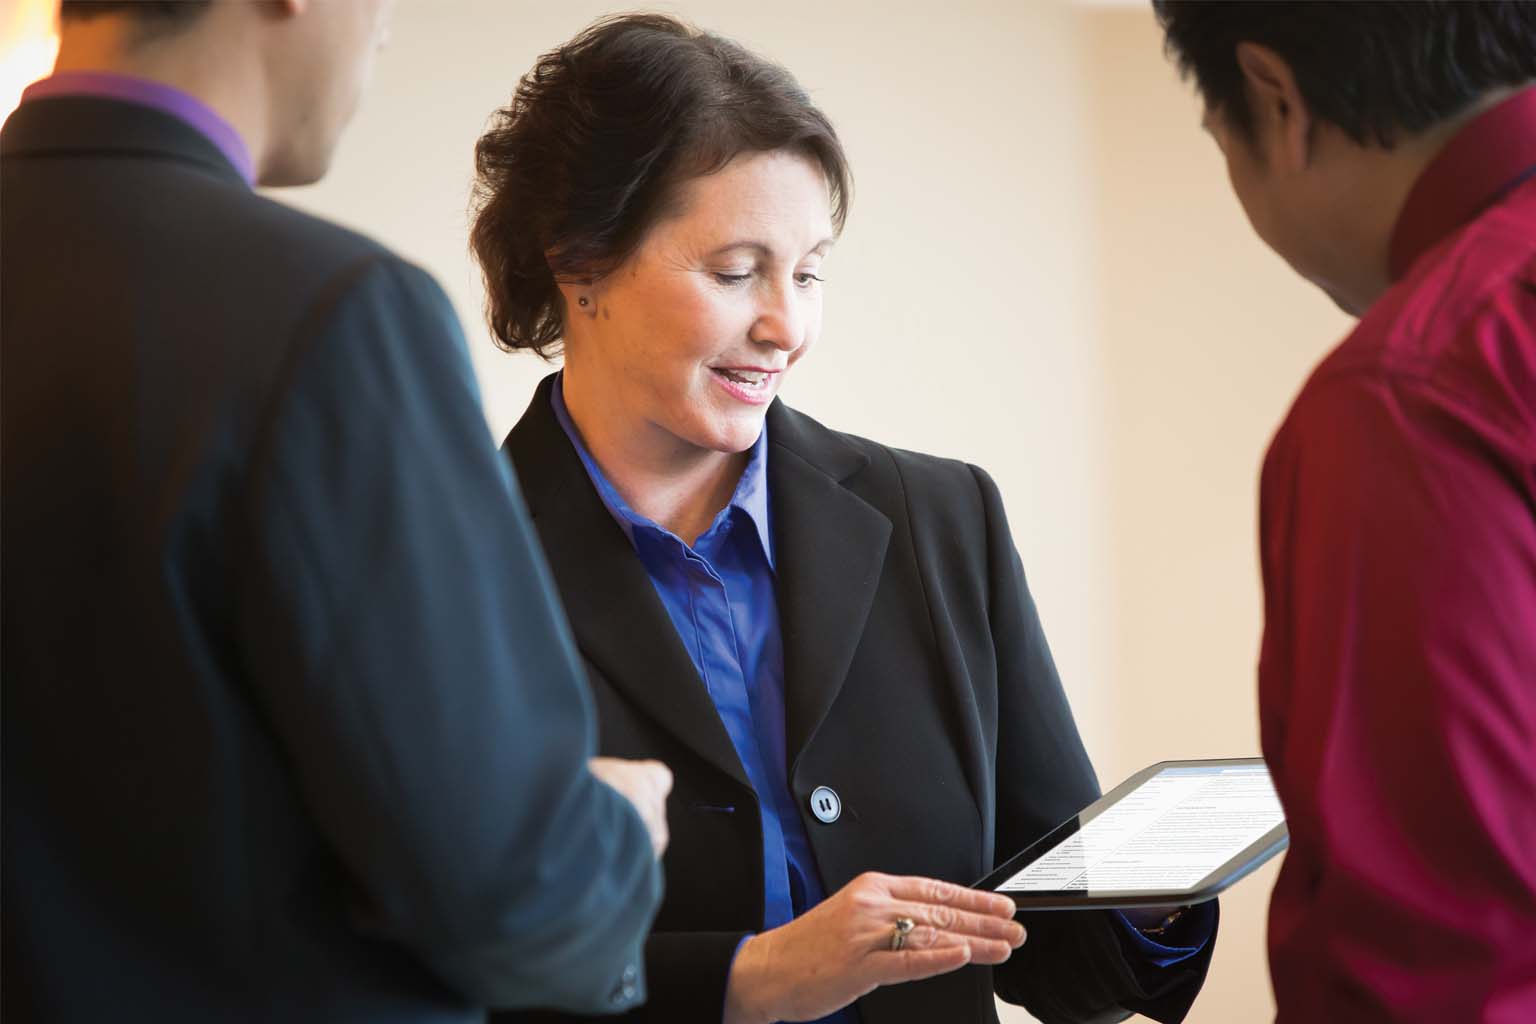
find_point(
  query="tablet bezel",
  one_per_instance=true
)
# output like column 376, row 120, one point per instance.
column 1208, row 888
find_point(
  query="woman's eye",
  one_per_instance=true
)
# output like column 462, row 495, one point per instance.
column 804, row 279
column 724, row 278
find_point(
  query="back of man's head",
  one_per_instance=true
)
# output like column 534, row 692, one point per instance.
column 1328, row 112
column 153, row 15
column 287, row 74
column 1379, row 71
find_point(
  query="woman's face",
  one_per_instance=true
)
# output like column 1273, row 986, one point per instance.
column 684, row 345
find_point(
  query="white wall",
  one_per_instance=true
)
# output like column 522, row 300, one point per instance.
column 1044, row 273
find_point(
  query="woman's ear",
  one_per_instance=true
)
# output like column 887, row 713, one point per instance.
column 1282, row 120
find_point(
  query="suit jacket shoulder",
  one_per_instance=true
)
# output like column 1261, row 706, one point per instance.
column 931, row 499
column 278, row 585
column 932, row 485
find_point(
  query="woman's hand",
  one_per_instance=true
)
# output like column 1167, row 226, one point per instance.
column 840, row 949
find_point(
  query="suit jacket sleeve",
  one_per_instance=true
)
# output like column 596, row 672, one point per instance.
column 689, row 972
column 405, row 643
column 1074, row 967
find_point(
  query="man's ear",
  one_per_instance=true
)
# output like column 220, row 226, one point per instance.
column 282, row 10
column 1281, row 119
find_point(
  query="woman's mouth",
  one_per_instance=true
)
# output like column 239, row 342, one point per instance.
column 747, row 385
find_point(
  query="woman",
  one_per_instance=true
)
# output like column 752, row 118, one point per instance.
column 828, row 641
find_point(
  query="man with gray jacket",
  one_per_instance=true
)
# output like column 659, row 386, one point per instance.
column 293, row 725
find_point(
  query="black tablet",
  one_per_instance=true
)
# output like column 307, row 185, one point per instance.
column 1176, row 833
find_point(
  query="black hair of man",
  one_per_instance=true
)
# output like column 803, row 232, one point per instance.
column 153, row 18
column 1379, row 71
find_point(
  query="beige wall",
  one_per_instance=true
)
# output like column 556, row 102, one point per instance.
column 1044, row 274
column 959, row 300
column 1204, row 336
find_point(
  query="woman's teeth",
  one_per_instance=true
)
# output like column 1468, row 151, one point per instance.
column 751, row 378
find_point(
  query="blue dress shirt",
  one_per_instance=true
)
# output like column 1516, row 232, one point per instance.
column 720, row 596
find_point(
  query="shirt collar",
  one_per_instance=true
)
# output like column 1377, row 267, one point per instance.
column 751, row 495
column 157, row 95
column 1491, row 155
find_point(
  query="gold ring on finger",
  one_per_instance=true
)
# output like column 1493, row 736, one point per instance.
column 904, row 925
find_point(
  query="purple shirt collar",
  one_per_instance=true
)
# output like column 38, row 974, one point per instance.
column 157, row 95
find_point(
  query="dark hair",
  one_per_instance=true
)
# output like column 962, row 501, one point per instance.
column 589, row 154
column 1377, row 70
column 153, row 15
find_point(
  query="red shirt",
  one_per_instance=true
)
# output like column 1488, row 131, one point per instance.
column 1397, row 681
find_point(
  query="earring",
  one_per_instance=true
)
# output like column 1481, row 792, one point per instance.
column 581, row 301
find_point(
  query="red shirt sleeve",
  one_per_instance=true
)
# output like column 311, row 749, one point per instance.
column 1398, row 687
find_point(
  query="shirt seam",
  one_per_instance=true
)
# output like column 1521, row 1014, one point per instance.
column 1392, row 369
column 1395, row 378
column 264, row 472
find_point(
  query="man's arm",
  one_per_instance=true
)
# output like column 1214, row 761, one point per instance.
column 404, row 639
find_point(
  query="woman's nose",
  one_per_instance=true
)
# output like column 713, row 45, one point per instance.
column 780, row 321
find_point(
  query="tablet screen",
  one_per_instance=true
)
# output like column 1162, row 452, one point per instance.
column 1167, row 834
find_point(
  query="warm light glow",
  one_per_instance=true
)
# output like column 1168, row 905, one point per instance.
column 29, row 40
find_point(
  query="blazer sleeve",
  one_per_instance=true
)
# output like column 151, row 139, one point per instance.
column 405, row 644
column 1074, row 967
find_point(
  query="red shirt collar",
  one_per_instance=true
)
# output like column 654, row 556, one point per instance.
column 1494, row 152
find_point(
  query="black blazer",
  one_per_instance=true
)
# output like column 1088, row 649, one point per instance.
column 291, row 720
column 919, row 687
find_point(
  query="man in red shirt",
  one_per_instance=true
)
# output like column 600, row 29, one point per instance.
column 1388, row 152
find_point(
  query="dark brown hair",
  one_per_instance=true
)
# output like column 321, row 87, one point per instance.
column 588, row 156
column 152, row 15
column 1378, row 70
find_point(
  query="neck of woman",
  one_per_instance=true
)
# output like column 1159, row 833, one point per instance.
column 679, row 486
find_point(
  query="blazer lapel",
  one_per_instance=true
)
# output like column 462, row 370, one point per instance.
column 829, row 546
column 619, row 621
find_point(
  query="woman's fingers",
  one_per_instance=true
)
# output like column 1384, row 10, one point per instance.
column 841, row 949
column 963, row 923
column 982, row 951
column 916, row 964
column 932, row 890
column 989, row 951
column 953, row 925
column 935, row 953
column 983, row 920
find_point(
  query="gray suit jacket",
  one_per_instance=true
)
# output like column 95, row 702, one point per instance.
column 293, row 726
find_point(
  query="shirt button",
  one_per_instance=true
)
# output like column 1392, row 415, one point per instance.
column 826, row 804
column 631, row 975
